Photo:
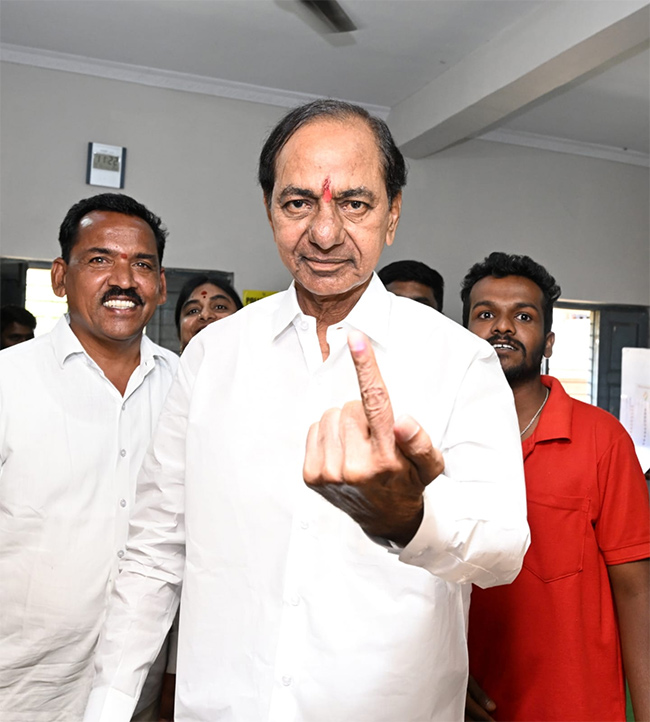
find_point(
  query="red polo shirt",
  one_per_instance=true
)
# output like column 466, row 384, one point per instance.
column 546, row 647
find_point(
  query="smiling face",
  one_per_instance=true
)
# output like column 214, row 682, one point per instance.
column 509, row 314
column 207, row 303
column 113, row 280
column 329, row 209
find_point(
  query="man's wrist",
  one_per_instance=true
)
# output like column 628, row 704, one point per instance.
column 397, row 539
column 389, row 546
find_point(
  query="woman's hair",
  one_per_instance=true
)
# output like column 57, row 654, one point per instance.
column 196, row 281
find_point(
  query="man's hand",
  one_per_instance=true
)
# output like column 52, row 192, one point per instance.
column 477, row 704
column 367, row 464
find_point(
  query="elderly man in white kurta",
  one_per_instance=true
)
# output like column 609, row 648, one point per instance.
column 77, row 410
column 343, row 598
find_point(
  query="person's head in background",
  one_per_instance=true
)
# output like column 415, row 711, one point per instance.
column 414, row 280
column 203, row 299
column 16, row 325
column 508, row 301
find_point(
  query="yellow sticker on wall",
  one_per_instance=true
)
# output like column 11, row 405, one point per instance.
column 249, row 296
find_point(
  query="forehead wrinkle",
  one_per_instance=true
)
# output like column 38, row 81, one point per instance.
column 100, row 249
column 296, row 191
column 360, row 192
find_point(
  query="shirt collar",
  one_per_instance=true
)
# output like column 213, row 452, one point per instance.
column 370, row 315
column 555, row 420
column 66, row 344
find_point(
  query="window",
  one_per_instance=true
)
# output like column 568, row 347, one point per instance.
column 41, row 301
column 575, row 351
column 27, row 283
column 589, row 342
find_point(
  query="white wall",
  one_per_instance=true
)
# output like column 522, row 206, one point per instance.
column 585, row 219
column 192, row 159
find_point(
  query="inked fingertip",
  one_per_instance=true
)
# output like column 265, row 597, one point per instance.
column 356, row 341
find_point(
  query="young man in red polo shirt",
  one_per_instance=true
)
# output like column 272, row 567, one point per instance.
column 554, row 644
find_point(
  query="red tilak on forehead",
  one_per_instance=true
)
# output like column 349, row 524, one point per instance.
column 123, row 255
column 204, row 293
column 327, row 193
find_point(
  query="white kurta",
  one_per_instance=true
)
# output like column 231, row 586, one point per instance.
column 70, row 450
column 289, row 612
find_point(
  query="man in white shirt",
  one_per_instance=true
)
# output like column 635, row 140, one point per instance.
column 77, row 410
column 349, row 604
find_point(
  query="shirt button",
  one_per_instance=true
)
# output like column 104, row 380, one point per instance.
column 304, row 325
column 123, row 453
column 120, row 554
column 304, row 524
column 123, row 407
column 286, row 681
column 295, row 600
column 122, row 503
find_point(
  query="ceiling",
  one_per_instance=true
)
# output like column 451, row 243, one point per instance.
column 570, row 76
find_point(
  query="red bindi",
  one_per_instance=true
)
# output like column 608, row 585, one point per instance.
column 327, row 193
column 123, row 255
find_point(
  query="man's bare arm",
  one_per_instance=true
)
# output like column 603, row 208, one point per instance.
column 631, row 588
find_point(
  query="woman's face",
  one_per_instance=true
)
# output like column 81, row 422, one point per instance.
column 207, row 303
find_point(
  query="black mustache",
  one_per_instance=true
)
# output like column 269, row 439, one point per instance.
column 507, row 340
column 117, row 292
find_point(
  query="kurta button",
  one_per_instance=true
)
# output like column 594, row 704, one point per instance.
column 122, row 503
column 286, row 681
column 304, row 525
column 123, row 453
column 123, row 407
column 120, row 554
column 295, row 600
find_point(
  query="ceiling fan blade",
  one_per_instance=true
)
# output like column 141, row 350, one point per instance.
column 332, row 14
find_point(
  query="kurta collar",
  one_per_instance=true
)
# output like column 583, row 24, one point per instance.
column 370, row 315
column 66, row 344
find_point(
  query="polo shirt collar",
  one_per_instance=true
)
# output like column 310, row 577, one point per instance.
column 370, row 315
column 555, row 420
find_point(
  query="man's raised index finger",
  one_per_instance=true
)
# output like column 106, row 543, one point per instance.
column 374, row 394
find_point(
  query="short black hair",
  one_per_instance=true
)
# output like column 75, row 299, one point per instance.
column 414, row 271
column 116, row 203
column 392, row 159
column 16, row 314
column 196, row 281
column 500, row 265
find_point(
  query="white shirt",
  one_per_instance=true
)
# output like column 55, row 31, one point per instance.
column 70, row 450
column 289, row 612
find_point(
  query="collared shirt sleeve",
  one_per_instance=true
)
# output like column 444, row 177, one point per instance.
column 623, row 526
column 146, row 595
column 474, row 527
